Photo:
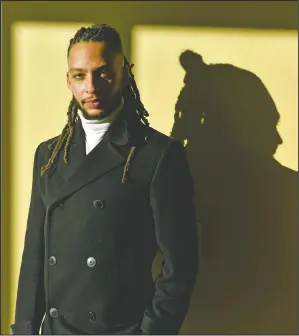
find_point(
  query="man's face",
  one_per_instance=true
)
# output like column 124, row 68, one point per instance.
column 96, row 77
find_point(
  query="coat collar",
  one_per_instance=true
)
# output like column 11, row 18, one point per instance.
column 109, row 154
column 118, row 132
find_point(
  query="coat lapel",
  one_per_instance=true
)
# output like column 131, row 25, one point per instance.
column 82, row 169
column 76, row 155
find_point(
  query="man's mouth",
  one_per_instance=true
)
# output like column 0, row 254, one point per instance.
column 93, row 103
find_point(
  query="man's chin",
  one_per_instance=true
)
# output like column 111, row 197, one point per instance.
column 93, row 114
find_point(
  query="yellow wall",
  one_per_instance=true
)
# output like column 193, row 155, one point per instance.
column 271, row 55
column 35, row 38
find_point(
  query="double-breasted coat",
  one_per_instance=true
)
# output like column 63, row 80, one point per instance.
column 91, row 239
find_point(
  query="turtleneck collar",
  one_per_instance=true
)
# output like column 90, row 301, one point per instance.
column 95, row 129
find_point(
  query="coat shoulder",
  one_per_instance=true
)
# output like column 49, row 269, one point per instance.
column 44, row 144
column 44, row 151
column 157, row 140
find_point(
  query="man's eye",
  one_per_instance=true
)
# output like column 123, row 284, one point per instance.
column 104, row 74
column 78, row 76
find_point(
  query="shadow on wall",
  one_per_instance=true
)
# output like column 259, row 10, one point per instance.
column 246, row 203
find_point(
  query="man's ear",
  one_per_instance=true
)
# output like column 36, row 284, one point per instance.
column 125, row 79
column 68, row 82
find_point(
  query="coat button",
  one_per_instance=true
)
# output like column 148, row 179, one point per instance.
column 91, row 262
column 52, row 261
column 98, row 204
column 53, row 312
column 91, row 316
column 60, row 205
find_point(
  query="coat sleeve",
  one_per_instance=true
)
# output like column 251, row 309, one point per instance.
column 30, row 304
column 171, row 199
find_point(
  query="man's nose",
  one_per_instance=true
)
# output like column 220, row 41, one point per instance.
column 94, row 84
column 90, row 84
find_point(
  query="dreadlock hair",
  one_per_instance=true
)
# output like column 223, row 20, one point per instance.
column 98, row 33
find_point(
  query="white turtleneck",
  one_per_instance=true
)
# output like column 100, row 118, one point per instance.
column 95, row 129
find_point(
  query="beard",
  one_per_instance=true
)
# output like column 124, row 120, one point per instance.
column 114, row 102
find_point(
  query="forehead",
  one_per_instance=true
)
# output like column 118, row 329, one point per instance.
column 90, row 54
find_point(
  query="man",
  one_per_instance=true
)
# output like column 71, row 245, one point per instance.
column 106, row 195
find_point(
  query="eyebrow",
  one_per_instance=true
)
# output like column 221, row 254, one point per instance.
column 102, row 67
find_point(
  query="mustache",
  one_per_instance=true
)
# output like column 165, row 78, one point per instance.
column 78, row 104
column 93, row 99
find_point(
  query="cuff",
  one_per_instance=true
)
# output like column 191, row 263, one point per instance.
column 156, row 326
column 24, row 328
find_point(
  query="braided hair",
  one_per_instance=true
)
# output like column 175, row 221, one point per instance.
column 131, row 96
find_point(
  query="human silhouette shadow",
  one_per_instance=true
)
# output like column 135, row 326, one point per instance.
column 246, row 203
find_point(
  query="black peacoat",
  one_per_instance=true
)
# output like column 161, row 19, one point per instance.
column 91, row 239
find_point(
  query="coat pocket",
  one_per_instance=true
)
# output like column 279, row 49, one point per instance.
column 75, row 324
